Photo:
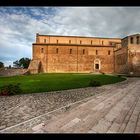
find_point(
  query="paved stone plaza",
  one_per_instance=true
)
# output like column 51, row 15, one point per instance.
column 107, row 109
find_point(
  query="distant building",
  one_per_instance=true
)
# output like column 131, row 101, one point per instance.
column 76, row 54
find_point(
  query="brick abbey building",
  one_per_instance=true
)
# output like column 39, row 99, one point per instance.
column 76, row 54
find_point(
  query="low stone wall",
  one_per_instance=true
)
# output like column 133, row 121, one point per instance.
column 12, row 72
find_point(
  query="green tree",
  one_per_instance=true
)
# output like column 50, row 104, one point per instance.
column 16, row 64
column 22, row 63
column 1, row 65
column 9, row 67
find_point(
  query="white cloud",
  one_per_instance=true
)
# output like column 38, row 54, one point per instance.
column 18, row 26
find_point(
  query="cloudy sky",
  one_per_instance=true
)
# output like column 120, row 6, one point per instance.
column 19, row 25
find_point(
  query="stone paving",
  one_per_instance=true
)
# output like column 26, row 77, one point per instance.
column 19, row 108
column 107, row 109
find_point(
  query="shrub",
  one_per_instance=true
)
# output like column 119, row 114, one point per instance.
column 10, row 89
column 119, row 75
column 94, row 83
column 102, row 72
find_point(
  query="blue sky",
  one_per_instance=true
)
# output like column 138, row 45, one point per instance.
column 19, row 25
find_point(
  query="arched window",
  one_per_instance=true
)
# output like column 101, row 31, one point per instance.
column 44, row 40
column 69, row 41
column 57, row 41
column 83, row 51
column 137, row 39
column 96, row 52
column 70, row 51
column 91, row 42
column 109, row 52
column 131, row 40
column 102, row 42
column 42, row 50
column 80, row 42
column 57, row 50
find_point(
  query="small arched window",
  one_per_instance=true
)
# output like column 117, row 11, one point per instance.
column 137, row 39
column 80, row 42
column 44, row 40
column 109, row 52
column 69, row 41
column 70, row 51
column 42, row 50
column 57, row 50
column 102, row 42
column 91, row 42
column 96, row 52
column 57, row 41
column 83, row 51
column 131, row 40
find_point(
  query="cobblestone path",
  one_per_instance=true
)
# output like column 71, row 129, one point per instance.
column 107, row 109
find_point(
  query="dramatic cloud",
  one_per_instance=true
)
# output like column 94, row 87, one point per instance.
column 19, row 25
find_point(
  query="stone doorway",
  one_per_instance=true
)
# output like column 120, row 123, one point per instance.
column 97, row 65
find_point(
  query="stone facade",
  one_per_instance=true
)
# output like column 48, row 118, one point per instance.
column 73, row 54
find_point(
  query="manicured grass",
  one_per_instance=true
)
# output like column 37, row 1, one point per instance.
column 53, row 82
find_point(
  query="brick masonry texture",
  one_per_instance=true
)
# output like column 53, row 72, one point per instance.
column 73, row 54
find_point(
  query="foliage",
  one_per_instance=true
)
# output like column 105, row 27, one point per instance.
column 94, row 83
column 23, row 62
column 9, row 67
column 119, row 75
column 10, row 89
column 1, row 65
column 16, row 64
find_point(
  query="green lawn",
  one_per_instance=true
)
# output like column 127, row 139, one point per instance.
column 53, row 82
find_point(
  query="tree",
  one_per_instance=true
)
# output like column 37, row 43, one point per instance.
column 22, row 63
column 1, row 65
column 9, row 67
column 16, row 64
